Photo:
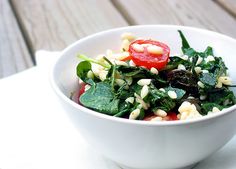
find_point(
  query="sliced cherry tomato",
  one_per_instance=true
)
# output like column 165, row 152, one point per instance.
column 81, row 90
column 149, row 59
column 149, row 117
column 126, row 59
column 171, row 116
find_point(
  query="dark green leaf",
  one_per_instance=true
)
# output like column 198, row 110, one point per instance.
column 82, row 70
column 141, row 114
column 160, row 100
column 208, row 51
column 185, row 44
column 190, row 52
column 207, row 107
column 220, row 97
column 174, row 62
column 124, row 109
column 208, row 79
column 139, row 73
column 100, row 97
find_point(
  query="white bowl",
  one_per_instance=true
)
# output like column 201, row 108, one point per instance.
column 141, row 144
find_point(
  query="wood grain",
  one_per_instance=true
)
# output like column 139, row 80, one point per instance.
column 229, row 5
column 53, row 24
column 14, row 56
column 197, row 13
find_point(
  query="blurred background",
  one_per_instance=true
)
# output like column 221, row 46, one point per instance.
column 30, row 25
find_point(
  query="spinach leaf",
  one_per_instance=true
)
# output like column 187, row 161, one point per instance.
column 100, row 97
column 174, row 62
column 185, row 44
column 208, row 51
column 124, row 109
column 111, row 75
column 207, row 107
column 160, row 100
column 82, row 70
column 190, row 52
column 208, row 79
column 220, row 67
column 139, row 73
column 220, row 97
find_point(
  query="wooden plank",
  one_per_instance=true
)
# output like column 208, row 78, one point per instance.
column 14, row 56
column 229, row 5
column 53, row 24
column 197, row 13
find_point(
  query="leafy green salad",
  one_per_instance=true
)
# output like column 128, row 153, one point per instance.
column 143, row 82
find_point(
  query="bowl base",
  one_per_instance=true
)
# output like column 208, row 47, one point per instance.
column 187, row 167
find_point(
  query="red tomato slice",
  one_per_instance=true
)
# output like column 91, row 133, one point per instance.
column 148, row 59
column 81, row 90
column 149, row 118
column 172, row 116
column 126, row 59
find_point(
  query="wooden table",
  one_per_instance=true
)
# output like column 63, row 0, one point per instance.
column 29, row 25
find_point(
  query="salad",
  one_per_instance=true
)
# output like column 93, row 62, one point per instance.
column 143, row 82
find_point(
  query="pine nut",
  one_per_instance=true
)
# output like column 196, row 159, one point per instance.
column 90, row 75
column 144, row 91
column 209, row 59
column 172, row 94
column 125, row 45
column 215, row 110
column 118, row 62
column 200, row 84
column 154, row 70
column 130, row 100
column 127, row 35
column 120, row 82
column 157, row 118
column 181, row 67
column 134, row 114
column 199, row 60
column 198, row 70
column 163, row 90
column 143, row 82
column 205, row 71
column 137, row 47
column 154, row 49
column 160, row 113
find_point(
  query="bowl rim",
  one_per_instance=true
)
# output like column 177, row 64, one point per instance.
column 128, row 121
